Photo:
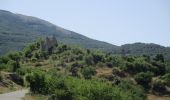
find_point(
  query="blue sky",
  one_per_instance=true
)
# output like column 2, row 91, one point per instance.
column 114, row 21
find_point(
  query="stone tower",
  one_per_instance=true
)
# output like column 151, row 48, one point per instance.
column 48, row 43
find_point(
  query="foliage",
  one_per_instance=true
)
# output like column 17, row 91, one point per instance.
column 85, row 66
column 159, row 86
column 166, row 78
column 88, row 72
column 144, row 79
column 68, row 88
column 159, row 57
column 13, row 65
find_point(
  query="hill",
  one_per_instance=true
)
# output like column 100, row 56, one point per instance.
column 63, row 72
column 17, row 30
column 150, row 49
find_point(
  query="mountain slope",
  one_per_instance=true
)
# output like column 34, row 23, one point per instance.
column 146, row 49
column 17, row 30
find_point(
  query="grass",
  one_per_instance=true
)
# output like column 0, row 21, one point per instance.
column 31, row 96
column 156, row 97
column 103, row 71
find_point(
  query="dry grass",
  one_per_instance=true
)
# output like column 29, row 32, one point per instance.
column 103, row 71
column 34, row 97
column 154, row 97
column 7, row 85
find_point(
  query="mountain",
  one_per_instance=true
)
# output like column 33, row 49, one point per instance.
column 150, row 49
column 17, row 30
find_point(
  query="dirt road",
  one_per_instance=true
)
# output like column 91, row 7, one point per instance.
column 16, row 95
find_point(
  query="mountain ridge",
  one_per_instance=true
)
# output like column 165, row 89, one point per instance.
column 17, row 30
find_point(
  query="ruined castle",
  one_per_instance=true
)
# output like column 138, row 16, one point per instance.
column 48, row 43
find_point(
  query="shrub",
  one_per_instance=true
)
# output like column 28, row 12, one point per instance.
column 137, row 67
column 160, row 68
column 1, row 78
column 13, row 65
column 158, row 86
column 4, row 59
column 89, row 60
column 3, row 66
column 166, row 78
column 109, row 64
column 74, row 71
column 37, row 64
column 14, row 56
column 37, row 82
column 69, row 88
column 23, row 71
column 88, row 72
column 144, row 79
column 159, row 57
column 97, row 57
column 33, row 59
column 118, row 72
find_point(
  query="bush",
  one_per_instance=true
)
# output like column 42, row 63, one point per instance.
column 109, row 64
column 3, row 66
column 37, row 81
column 137, row 67
column 1, row 78
column 14, row 56
column 68, row 88
column 144, row 79
column 74, row 71
column 159, row 57
column 166, row 78
column 98, row 57
column 88, row 72
column 33, row 60
column 37, row 64
column 89, row 60
column 159, row 86
column 4, row 59
column 23, row 71
column 118, row 72
column 13, row 65
column 160, row 68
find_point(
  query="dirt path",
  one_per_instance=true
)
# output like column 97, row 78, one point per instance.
column 16, row 95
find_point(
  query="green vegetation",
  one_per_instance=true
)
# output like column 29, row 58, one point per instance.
column 88, row 72
column 144, row 79
column 64, row 72
column 16, row 31
column 68, row 88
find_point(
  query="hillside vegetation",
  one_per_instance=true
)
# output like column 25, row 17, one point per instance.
column 17, row 30
column 63, row 72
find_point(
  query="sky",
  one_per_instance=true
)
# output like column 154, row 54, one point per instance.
column 114, row 21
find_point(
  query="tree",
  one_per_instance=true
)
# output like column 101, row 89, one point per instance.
column 74, row 68
column 4, row 59
column 88, row 72
column 160, row 68
column 166, row 78
column 13, row 65
column 37, row 82
column 97, row 57
column 159, row 86
column 159, row 57
column 14, row 56
column 144, row 79
column 89, row 60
